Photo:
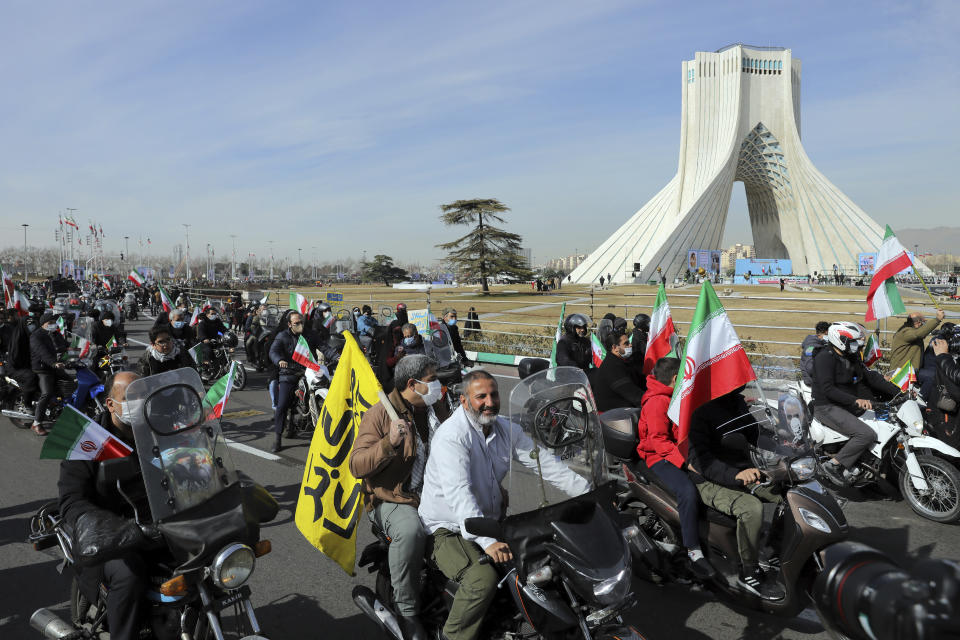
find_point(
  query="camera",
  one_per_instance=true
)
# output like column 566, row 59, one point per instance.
column 861, row 593
column 951, row 333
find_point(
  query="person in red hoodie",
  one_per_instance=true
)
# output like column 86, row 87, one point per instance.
column 658, row 449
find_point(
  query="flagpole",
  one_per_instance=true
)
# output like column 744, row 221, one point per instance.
column 925, row 287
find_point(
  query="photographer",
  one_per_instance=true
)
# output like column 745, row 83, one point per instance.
column 945, row 397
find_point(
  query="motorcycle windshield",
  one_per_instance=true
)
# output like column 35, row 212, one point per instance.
column 129, row 298
column 439, row 345
column 82, row 327
column 557, row 441
column 784, row 424
column 185, row 460
column 270, row 317
column 111, row 306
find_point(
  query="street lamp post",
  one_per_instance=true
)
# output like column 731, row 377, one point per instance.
column 187, row 248
column 271, row 259
column 233, row 264
column 299, row 263
column 314, row 264
column 126, row 248
column 25, row 270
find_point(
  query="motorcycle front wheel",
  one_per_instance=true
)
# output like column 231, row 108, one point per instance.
column 239, row 377
column 941, row 502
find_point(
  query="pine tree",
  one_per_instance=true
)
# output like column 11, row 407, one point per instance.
column 382, row 268
column 486, row 251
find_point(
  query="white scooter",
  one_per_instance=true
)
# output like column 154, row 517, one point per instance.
column 904, row 453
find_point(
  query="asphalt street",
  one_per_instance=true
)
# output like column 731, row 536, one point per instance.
column 299, row 593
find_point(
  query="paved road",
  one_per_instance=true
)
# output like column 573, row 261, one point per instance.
column 299, row 593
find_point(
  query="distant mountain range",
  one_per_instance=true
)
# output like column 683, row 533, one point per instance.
column 935, row 240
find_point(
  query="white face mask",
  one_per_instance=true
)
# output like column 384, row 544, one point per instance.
column 434, row 391
column 627, row 352
column 108, row 323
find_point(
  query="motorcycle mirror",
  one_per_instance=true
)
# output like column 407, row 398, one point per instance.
column 109, row 472
column 484, row 527
column 530, row 366
column 562, row 423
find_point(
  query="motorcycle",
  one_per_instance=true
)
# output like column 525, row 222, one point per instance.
column 257, row 344
column 570, row 576
column 309, row 396
column 904, row 455
column 130, row 306
column 804, row 522
column 439, row 346
column 204, row 521
column 221, row 356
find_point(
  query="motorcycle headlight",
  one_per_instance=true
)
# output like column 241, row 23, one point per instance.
column 613, row 589
column 233, row 566
column 803, row 468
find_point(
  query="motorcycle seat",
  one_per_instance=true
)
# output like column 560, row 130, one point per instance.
column 640, row 469
column 449, row 374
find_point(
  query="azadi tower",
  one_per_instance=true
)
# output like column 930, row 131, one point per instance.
column 740, row 121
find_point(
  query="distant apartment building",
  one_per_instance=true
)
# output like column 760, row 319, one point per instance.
column 526, row 255
column 567, row 264
column 729, row 257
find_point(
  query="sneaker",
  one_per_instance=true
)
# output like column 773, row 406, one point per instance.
column 850, row 476
column 38, row 429
column 755, row 583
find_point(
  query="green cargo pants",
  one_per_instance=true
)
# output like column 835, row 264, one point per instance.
column 457, row 559
column 746, row 508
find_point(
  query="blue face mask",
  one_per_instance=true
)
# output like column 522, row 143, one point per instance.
column 452, row 322
column 409, row 342
column 178, row 324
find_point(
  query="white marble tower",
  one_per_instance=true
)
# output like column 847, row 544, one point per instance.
column 741, row 121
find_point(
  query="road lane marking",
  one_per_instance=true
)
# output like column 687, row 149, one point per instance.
column 142, row 344
column 242, row 414
column 239, row 446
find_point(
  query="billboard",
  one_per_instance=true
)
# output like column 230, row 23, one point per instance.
column 867, row 263
column 771, row 267
column 709, row 261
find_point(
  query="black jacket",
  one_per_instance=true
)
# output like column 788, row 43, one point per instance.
column 102, row 334
column 612, row 385
column 841, row 381
column 573, row 351
column 708, row 424
column 639, row 343
column 208, row 329
column 457, row 342
column 282, row 349
column 45, row 349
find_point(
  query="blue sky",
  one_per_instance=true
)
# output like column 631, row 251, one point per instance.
column 343, row 126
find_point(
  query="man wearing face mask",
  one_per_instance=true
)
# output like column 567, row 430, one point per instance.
column 125, row 576
column 105, row 330
column 180, row 328
column 390, row 457
column 842, row 390
column 209, row 328
column 162, row 354
column 612, row 383
column 450, row 319
column 288, row 369
column 46, row 346
column 411, row 344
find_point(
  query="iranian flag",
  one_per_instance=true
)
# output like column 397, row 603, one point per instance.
column 597, row 352
column 78, row 344
column 61, row 325
column 195, row 318
column 216, row 398
column 106, row 284
column 165, row 299
column 559, row 334
column 883, row 299
column 111, row 343
column 713, row 363
column 22, row 303
column 871, row 351
column 9, row 290
column 196, row 353
column 77, row 437
column 136, row 278
column 302, row 355
column 206, row 305
column 298, row 302
column 904, row 376
column 663, row 335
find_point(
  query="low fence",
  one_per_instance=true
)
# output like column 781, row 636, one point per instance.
column 519, row 323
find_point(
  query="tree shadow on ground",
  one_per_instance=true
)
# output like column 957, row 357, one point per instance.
column 292, row 615
column 21, row 593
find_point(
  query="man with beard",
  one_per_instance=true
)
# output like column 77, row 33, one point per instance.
column 469, row 456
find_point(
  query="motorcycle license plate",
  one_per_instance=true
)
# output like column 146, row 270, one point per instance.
column 234, row 597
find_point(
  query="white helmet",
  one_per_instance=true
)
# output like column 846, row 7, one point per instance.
column 846, row 336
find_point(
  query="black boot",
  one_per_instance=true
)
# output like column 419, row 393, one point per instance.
column 411, row 627
column 276, row 444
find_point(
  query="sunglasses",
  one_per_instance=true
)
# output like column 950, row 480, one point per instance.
column 295, row 324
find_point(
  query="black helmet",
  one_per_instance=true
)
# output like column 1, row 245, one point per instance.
column 229, row 339
column 641, row 321
column 322, row 307
column 575, row 320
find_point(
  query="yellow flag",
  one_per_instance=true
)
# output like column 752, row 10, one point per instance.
column 330, row 502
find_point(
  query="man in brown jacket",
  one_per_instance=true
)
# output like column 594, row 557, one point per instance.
column 390, row 457
column 908, row 340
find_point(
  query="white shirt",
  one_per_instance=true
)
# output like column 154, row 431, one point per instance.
column 465, row 469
